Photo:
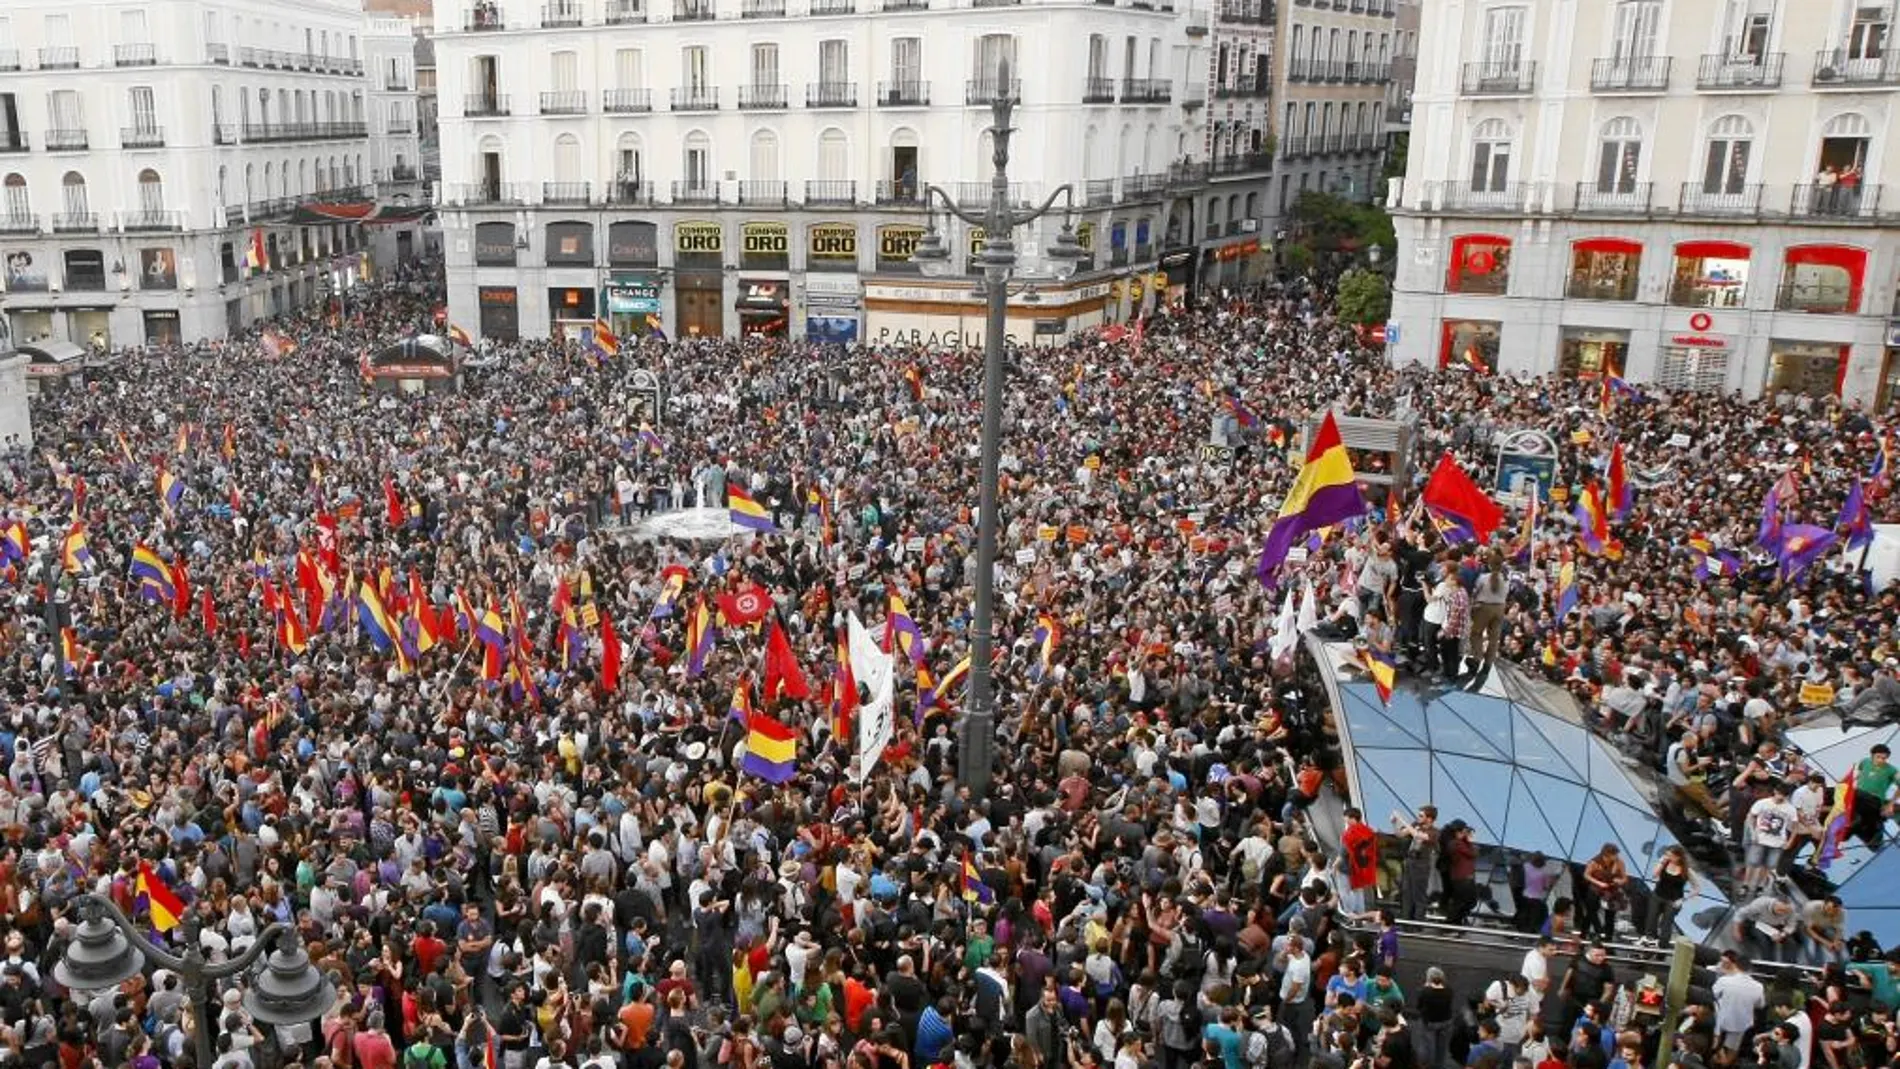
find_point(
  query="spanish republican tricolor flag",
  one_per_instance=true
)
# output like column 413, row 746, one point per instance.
column 771, row 750
column 746, row 512
column 1323, row 494
column 165, row 906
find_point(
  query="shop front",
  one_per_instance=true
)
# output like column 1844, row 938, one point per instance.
column 764, row 308
column 571, row 311
column 1230, row 261
column 161, row 326
column 1589, row 353
column 1807, row 369
column 632, row 299
column 90, row 327
column 500, row 312
column 834, row 305
column 1471, row 344
column 943, row 314
column 832, row 247
column 1179, row 266
column 1710, row 274
column 699, row 280
column 30, row 324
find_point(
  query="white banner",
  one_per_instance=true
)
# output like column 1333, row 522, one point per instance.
column 875, row 672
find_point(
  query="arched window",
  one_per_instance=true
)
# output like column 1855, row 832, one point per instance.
column 1725, row 163
column 1491, row 157
column 764, row 156
column 834, row 155
column 73, row 195
column 1619, row 156
column 698, row 162
column 18, row 207
column 567, row 158
column 151, row 192
column 1847, row 124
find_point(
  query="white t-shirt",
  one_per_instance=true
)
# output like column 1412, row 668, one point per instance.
column 1298, row 981
column 1535, row 968
column 1772, row 822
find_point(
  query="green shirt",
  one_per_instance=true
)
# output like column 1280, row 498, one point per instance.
column 1877, row 780
column 977, row 953
column 1886, row 990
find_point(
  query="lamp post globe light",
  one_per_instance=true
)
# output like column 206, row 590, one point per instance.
column 997, row 261
column 108, row 949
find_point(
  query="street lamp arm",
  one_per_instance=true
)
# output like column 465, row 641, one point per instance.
column 1064, row 193
column 105, row 907
column 243, row 962
column 950, row 206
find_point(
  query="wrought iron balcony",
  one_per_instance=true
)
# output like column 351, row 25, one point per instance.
column 1728, row 200
column 1098, row 91
column 762, row 97
column 624, row 12
column 560, row 16
column 9, row 59
column 141, row 137
column 1835, row 202
column 564, row 102
column 691, row 192
column 1751, row 74
column 629, row 191
column 151, row 219
column 762, row 9
column 831, row 94
column 1500, row 79
column 696, row 98
column 903, row 94
column 906, row 192
column 19, row 223
column 693, row 10
column 486, row 193
column 836, row 193
column 137, row 55
column 1840, row 69
column 620, row 101
column 478, row 105
column 991, row 90
column 1099, row 192
column 1630, row 74
column 758, row 192
column 13, row 141
column 75, row 222
column 66, row 140
column 64, row 58
column 834, row 7
column 567, row 192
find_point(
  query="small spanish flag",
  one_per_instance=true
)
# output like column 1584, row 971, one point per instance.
column 165, row 906
column 974, row 889
column 1379, row 666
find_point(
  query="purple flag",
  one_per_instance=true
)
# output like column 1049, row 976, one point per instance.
column 1802, row 544
column 1854, row 522
column 1769, row 537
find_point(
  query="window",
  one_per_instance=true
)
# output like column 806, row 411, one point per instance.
column 765, row 65
column 564, row 71
column 1709, row 274
column 1822, row 278
column 64, row 110
column 994, row 50
column 59, row 31
column 1605, row 269
column 698, row 162
column 151, row 192
column 1299, row 46
column 1619, row 156
column 567, row 159
column 834, row 62
column 764, row 156
column 1480, row 263
column 1491, row 157
column 834, row 155
column 144, row 109
column 1745, row 29
column 17, row 204
column 1867, row 36
column 907, row 60
column 1098, row 57
column 628, row 73
column 73, row 194
column 1725, row 168
column 627, row 162
column 1636, row 25
column 694, row 63
column 1503, row 40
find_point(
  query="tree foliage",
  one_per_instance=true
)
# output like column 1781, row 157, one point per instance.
column 1364, row 298
column 1330, row 222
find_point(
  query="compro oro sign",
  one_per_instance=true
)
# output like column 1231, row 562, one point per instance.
column 699, row 244
column 895, row 244
column 765, row 246
column 831, row 246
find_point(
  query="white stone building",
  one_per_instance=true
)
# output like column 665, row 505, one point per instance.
column 142, row 147
column 1331, row 93
column 726, row 166
column 1689, row 192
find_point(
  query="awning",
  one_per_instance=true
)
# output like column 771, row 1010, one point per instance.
column 360, row 212
column 53, row 352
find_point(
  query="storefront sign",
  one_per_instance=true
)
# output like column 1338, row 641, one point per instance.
column 1527, row 464
column 570, row 243
column 633, row 297
column 830, row 246
column 765, row 246
column 1237, row 250
column 494, row 244
column 1698, row 341
column 633, row 244
column 917, row 336
column 1085, row 236
column 895, row 244
column 699, row 238
column 496, row 296
column 762, row 295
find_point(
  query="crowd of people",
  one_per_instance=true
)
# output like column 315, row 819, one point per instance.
column 533, row 853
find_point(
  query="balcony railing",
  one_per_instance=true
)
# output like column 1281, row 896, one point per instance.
column 1293, row 148
column 567, row 192
column 629, row 191
column 1844, row 203
column 485, row 104
column 1496, row 197
column 135, row 55
column 1746, row 73
column 66, row 140
column 312, row 131
column 904, row 5
column 991, row 90
column 903, row 94
column 1147, row 90
column 151, row 219
column 696, row 98
column 401, row 127
column 1187, row 175
column 839, row 193
column 692, row 10
column 1197, row 23
column 1242, row 163
column 564, row 102
column 141, row 137
column 396, row 84
column 560, row 16
column 1698, row 199
column 623, row 12
column 1625, row 199
column 64, row 58
column 224, row 133
column 487, row 193
column 695, row 192
column 620, row 101
column 1838, row 69
column 762, row 97
column 831, row 94
column 1818, row 298
column 75, row 222
column 1499, row 79
column 1098, row 91
column 834, row 7
column 485, row 16
column 21, row 223
column 217, row 53
column 762, row 192
column 1630, row 74
column 13, row 141
column 1143, row 186
column 762, row 9
column 9, row 59
column 1099, row 192
column 1195, row 95
column 398, row 173
column 904, row 192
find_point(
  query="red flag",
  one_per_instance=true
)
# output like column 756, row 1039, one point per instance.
column 329, row 544
column 394, row 500
column 1451, row 492
column 208, row 612
column 782, row 677
column 270, row 597
column 244, row 645
column 609, row 654
column 181, row 589
column 745, row 606
column 844, row 693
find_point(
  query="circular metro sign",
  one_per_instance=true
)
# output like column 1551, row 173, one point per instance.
column 1701, row 321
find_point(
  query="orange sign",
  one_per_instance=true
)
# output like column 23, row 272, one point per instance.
column 1078, row 534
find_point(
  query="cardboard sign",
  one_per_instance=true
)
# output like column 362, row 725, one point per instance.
column 1026, row 556
column 1046, row 533
column 590, row 616
column 1580, row 437
column 1679, row 440
column 1814, row 695
column 1078, row 534
column 1093, row 463
column 916, row 544
column 1224, row 604
column 857, row 572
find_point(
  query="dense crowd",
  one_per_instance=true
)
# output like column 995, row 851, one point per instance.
column 504, row 864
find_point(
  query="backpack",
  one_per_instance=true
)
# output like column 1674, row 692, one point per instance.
column 1270, row 1048
column 419, row 1056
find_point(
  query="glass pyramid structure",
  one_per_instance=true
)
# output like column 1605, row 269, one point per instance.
column 1507, row 760
column 1865, row 877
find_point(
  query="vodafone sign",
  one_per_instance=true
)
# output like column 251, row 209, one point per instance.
column 1698, row 335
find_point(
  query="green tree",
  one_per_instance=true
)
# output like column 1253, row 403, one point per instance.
column 1296, row 258
column 1329, row 223
column 1364, row 297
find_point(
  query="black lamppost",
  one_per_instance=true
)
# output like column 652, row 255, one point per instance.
column 108, row 949
column 977, row 731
